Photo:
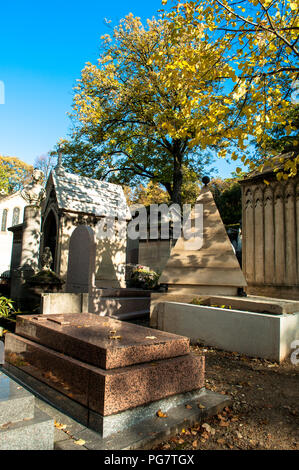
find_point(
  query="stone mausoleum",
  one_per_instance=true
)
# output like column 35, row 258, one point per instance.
column 72, row 201
column 270, row 235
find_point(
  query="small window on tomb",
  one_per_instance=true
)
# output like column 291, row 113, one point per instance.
column 16, row 216
column 4, row 220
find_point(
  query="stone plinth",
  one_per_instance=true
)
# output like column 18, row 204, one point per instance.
column 105, row 365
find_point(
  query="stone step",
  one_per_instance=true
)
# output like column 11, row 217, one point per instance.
column 16, row 403
column 140, row 314
column 99, row 340
column 106, row 391
column 22, row 425
column 28, row 434
column 123, row 292
column 119, row 305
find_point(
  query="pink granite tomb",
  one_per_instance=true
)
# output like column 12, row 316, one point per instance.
column 105, row 365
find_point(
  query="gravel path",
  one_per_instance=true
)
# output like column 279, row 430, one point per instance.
column 264, row 413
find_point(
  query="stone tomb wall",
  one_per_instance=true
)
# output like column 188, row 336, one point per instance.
column 270, row 237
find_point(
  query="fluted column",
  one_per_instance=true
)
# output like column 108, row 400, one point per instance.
column 290, row 235
column 258, row 236
column 279, row 235
column 248, row 236
column 269, row 236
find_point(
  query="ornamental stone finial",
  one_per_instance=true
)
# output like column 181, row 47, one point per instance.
column 59, row 169
column 205, row 180
column 34, row 192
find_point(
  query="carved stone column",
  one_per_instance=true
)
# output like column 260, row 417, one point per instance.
column 33, row 194
column 269, row 235
column 248, row 236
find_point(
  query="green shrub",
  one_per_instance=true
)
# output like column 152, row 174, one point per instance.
column 144, row 278
column 7, row 309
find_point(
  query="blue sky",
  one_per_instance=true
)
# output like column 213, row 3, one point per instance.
column 43, row 48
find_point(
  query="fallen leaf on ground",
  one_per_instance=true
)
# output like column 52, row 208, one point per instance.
column 151, row 337
column 59, row 425
column 194, row 444
column 189, row 407
column 219, row 416
column 201, row 406
column 6, row 425
column 161, row 414
column 224, row 424
column 80, row 442
column 208, row 428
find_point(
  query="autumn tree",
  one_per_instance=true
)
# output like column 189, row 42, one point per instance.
column 14, row 174
column 260, row 42
column 152, row 193
column 153, row 105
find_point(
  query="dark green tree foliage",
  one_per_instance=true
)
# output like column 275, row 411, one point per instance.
column 227, row 195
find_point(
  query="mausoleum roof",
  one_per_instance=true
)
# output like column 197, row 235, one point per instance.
column 270, row 169
column 77, row 193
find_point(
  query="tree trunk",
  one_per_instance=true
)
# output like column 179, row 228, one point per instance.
column 177, row 180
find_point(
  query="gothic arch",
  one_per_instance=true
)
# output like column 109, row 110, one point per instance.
column 50, row 234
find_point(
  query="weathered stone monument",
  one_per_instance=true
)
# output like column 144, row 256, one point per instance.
column 212, row 268
column 72, row 201
column 202, row 301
